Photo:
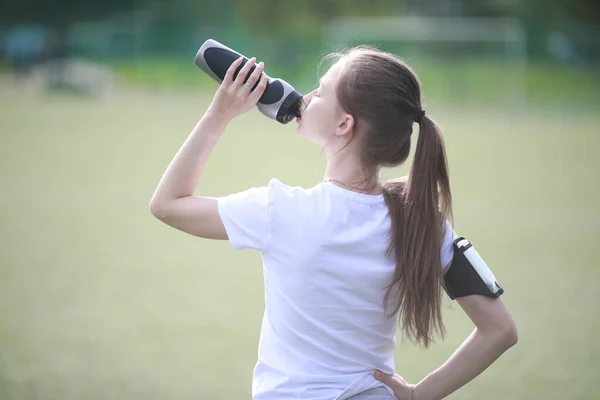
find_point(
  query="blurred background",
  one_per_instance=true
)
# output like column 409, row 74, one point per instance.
column 100, row 301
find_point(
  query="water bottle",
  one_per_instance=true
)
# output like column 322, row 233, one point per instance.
column 280, row 100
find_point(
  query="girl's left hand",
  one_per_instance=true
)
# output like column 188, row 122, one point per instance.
column 402, row 389
column 234, row 97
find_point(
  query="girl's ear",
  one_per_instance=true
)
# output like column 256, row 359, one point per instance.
column 345, row 126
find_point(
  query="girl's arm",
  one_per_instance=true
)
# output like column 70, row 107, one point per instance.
column 494, row 333
column 173, row 201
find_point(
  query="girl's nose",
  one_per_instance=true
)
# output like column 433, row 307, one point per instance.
column 308, row 98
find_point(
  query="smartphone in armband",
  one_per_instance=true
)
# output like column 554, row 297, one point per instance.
column 469, row 274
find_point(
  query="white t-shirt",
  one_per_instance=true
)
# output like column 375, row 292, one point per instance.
column 325, row 268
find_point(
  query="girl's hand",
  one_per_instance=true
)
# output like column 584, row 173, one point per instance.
column 402, row 389
column 234, row 97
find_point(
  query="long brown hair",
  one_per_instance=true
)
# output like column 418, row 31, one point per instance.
column 383, row 94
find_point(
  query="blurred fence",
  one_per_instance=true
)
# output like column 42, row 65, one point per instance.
column 508, row 59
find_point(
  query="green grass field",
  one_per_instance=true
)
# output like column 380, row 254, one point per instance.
column 98, row 300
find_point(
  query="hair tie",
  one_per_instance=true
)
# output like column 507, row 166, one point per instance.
column 419, row 117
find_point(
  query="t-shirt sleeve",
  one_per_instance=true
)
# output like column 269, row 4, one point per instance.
column 447, row 250
column 247, row 217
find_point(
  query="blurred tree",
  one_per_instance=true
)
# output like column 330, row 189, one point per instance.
column 60, row 13
column 583, row 10
column 275, row 16
column 272, row 15
column 565, row 30
column 284, row 28
column 587, row 11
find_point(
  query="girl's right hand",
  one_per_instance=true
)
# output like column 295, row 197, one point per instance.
column 402, row 389
column 234, row 97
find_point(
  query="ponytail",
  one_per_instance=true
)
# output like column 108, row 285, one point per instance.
column 383, row 94
column 419, row 206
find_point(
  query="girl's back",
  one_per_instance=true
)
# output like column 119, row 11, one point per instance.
column 326, row 272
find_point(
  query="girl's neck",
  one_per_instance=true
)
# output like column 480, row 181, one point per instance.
column 346, row 171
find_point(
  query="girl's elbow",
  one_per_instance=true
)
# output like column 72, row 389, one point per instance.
column 508, row 334
column 512, row 335
column 502, row 332
column 158, row 208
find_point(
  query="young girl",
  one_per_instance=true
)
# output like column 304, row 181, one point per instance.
column 349, row 259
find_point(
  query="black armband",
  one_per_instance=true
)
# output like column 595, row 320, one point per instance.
column 469, row 274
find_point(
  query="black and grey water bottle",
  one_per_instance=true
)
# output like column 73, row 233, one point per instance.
column 280, row 100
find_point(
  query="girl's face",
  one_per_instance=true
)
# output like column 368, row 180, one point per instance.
column 322, row 117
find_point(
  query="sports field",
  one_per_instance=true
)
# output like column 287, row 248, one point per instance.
column 98, row 300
